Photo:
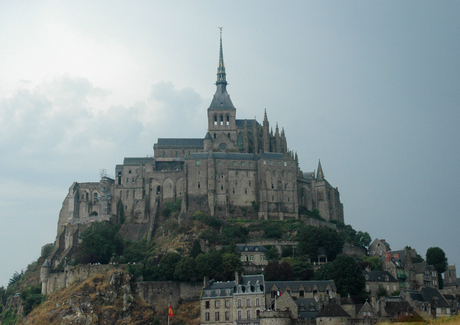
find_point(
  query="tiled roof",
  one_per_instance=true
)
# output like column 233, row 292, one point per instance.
column 397, row 307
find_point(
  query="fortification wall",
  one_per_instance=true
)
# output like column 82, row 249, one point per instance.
column 159, row 294
column 162, row 293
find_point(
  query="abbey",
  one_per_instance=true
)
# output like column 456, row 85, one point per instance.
column 239, row 168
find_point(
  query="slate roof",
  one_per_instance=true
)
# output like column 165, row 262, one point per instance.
column 179, row 143
column 397, row 307
column 251, row 248
column 304, row 305
column 379, row 276
column 333, row 310
column 136, row 161
column 295, row 285
column 219, row 289
column 224, row 155
column 435, row 296
column 273, row 155
column 240, row 123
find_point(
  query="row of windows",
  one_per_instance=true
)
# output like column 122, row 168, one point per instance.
column 243, row 164
column 246, row 258
column 227, row 303
column 227, row 315
column 285, row 163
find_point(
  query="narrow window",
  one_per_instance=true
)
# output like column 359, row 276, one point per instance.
column 248, row 314
column 199, row 185
column 207, row 317
column 164, row 153
column 227, row 315
column 218, row 163
column 207, row 304
column 242, row 164
column 239, row 303
column 227, row 303
column 197, row 162
column 217, row 316
column 228, row 123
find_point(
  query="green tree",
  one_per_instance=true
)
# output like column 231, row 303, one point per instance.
column 230, row 264
column 196, row 249
column 185, row 269
column 272, row 230
column 311, row 238
column 435, row 256
column 346, row 273
column 99, row 243
column 374, row 262
column 362, row 239
column 278, row 271
column 272, row 253
column 168, row 265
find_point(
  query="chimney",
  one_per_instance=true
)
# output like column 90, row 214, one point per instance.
column 387, row 257
column 206, row 282
column 237, row 279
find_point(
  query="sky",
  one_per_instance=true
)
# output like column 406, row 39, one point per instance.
column 369, row 87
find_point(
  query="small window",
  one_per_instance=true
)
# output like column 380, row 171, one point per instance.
column 164, row 153
column 234, row 163
column 285, row 164
column 207, row 304
column 176, row 153
column 132, row 180
column 227, row 303
column 218, row 163
column 199, row 185
column 217, row 303
column 249, row 183
column 242, row 164
column 217, row 316
column 129, row 171
column 227, row 315
column 245, row 191
column 279, row 163
column 248, row 302
column 239, row 303
column 222, row 187
column 207, row 317
column 127, row 180
column 250, row 164
column 265, row 162
column 199, row 172
column 270, row 162
column 197, row 162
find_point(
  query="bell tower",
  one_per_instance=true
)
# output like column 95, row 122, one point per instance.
column 221, row 112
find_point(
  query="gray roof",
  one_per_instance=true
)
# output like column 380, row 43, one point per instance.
column 435, row 296
column 295, row 285
column 307, row 307
column 240, row 123
column 333, row 310
column 180, row 142
column 379, row 276
column 251, row 248
column 273, row 155
column 136, row 161
column 219, row 289
column 221, row 99
column 224, row 155
column 252, row 279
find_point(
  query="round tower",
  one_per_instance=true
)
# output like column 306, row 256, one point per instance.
column 45, row 272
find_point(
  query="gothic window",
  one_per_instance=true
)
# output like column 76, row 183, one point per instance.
column 215, row 119
column 221, row 120
column 240, row 141
column 197, row 162
column 199, row 185
column 228, row 123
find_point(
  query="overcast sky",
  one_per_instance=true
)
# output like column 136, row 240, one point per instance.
column 369, row 87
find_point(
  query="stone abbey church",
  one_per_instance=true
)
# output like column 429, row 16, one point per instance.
column 240, row 168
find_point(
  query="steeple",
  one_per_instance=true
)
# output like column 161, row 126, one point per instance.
column 320, row 174
column 221, row 66
column 221, row 98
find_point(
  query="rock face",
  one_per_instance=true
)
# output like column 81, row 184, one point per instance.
column 103, row 299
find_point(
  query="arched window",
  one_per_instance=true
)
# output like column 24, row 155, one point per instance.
column 215, row 119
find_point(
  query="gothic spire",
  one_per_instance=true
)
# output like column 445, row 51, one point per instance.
column 221, row 98
column 221, row 66
column 320, row 174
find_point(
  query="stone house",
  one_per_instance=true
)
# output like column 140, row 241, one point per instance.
column 428, row 300
column 333, row 314
column 233, row 302
column 379, row 281
column 379, row 247
column 318, row 290
column 252, row 254
column 426, row 276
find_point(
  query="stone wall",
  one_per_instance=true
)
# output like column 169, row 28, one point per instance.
column 163, row 293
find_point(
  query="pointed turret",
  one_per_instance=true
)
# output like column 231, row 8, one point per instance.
column 319, row 174
column 221, row 98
